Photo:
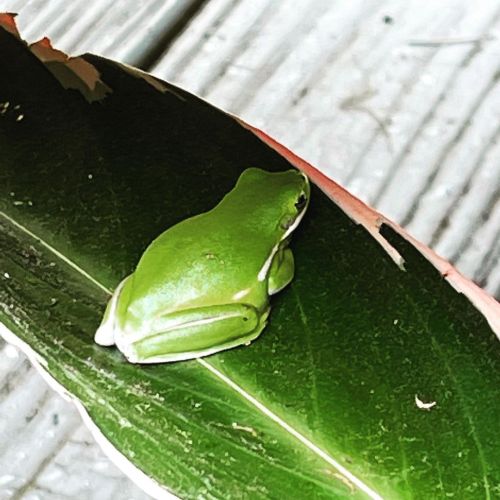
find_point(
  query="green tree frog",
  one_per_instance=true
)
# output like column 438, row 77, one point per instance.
column 204, row 284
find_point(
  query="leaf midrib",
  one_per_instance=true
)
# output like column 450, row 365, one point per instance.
column 262, row 408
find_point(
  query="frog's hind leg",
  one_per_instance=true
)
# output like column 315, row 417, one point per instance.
column 193, row 333
column 105, row 334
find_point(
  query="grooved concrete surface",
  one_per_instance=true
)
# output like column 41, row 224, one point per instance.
column 397, row 100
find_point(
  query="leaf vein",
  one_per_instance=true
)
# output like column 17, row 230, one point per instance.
column 314, row 380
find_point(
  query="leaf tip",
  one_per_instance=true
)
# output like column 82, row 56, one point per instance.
column 8, row 23
column 71, row 72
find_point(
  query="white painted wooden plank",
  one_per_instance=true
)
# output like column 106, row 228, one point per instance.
column 492, row 278
column 226, row 41
column 11, row 362
column 75, row 40
column 35, row 437
column 438, row 124
column 81, row 470
column 485, row 246
column 39, row 18
column 280, row 57
column 186, row 47
column 107, row 26
column 462, row 156
column 334, row 101
column 145, row 28
column 467, row 215
column 398, row 109
column 19, row 406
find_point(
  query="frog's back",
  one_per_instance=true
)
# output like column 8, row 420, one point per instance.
column 197, row 263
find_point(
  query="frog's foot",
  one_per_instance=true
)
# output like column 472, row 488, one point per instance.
column 105, row 334
column 281, row 272
column 194, row 333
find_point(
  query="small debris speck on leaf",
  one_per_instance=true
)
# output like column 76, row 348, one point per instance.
column 424, row 406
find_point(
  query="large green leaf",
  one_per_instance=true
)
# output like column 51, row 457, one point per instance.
column 323, row 404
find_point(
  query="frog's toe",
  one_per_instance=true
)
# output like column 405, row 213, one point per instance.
column 105, row 335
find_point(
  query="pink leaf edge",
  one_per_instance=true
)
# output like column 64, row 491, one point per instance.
column 371, row 220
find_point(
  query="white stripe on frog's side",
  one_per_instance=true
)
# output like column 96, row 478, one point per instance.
column 267, row 264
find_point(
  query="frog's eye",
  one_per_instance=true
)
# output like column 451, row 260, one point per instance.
column 301, row 202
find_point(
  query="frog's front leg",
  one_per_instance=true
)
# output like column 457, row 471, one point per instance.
column 192, row 333
column 105, row 334
column 281, row 271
